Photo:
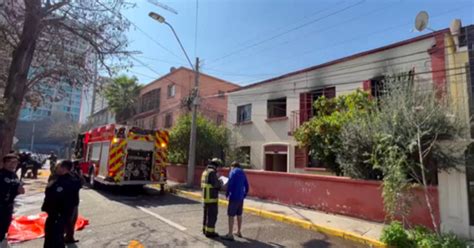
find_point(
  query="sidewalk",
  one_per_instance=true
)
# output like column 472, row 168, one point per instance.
column 354, row 229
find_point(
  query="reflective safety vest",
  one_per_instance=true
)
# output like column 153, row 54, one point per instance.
column 210, row 194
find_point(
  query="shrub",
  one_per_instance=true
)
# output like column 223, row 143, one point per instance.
column 322, row 133
column 395, row 235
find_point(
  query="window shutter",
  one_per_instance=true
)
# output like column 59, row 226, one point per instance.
column 301, row 157
column 305, row 106
column 366, row 86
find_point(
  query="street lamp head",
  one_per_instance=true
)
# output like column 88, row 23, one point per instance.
column 157, row 17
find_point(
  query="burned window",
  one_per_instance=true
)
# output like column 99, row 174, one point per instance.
column 276, row 108
column 377, row 87
column 244, row 113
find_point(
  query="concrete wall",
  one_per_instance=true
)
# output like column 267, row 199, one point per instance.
column 346, row 75
column 210, row 105
column 338, row 195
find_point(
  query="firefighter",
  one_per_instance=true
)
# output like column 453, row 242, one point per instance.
column 72, row 218
column 210, row 184
column 59, row 203
column 52, row 162
column 10, row 187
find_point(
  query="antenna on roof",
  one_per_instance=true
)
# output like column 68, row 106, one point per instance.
column 421, row 21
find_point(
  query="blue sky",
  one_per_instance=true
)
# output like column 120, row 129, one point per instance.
column 246, row 41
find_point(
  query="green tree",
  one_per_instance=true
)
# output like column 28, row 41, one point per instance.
column 212, row 140
column 36, row 40
column 122, row 95
column 322, row 133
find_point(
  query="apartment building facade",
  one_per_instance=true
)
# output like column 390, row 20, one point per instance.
column 165, row 99
column 264, row 116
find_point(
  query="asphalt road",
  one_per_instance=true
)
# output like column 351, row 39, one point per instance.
column 121, row 217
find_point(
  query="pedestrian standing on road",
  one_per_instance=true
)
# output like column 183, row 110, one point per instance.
column 210, row 185
column 52, row 162
column 237, row 190
column 10, row 187
column 58, row 203
column 71, row 220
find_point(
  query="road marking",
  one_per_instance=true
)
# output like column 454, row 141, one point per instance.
column 169, row 222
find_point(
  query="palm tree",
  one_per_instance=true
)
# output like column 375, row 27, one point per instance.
column 122, row 96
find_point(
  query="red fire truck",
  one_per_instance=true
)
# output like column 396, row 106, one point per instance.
column 123, row 155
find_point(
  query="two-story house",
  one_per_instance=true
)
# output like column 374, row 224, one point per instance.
column 163, row 100
column 264, row 115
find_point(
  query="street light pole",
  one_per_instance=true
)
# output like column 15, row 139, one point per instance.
column 195, row 102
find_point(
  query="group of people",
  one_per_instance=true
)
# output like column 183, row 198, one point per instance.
column 237, row 188
column 60, row 203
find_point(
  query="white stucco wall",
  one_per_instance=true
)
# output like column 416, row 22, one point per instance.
column 346, row 76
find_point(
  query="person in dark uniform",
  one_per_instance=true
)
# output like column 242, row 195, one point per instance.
column 59, row 203
column 10, row 187
column 71, row 220
column 52, row 162
column 210, row 185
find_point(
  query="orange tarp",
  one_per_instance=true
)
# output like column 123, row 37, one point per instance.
column 30, row 227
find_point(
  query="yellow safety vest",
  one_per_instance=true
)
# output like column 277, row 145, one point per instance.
column 206, row 188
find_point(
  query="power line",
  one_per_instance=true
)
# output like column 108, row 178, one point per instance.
column 422, row 51
column 315, row 32
column 286, row 32
column 236, row 94
column 309, row 51
column 295, row 79
column 171, row 62
column 140, row 29
column 250, row 40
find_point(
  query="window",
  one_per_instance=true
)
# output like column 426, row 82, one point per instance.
column 276, row 108
column 150, row 101
column 220, row 119
column 171, row 90
column 153, row 123
column 94, row 152
column 244, row 113
column 307, row 99
column 221, row 94
column 168, row 120
column 377, row 87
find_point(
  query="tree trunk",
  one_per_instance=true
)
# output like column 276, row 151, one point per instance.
column 16, row 86
column 425, row 183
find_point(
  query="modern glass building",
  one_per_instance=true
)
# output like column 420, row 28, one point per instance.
column 63, row 100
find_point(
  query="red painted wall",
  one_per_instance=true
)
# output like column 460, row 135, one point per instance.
column 339, row 195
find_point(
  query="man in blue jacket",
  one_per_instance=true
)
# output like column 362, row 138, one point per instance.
column 237, row 190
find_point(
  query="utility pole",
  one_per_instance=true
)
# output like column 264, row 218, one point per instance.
column 192, row 141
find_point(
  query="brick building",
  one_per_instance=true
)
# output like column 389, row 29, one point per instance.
column 162, row 101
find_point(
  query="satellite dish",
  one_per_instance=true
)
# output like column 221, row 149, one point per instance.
column 421, row 21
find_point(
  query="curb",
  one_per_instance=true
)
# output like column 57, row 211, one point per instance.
column 295, row 221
